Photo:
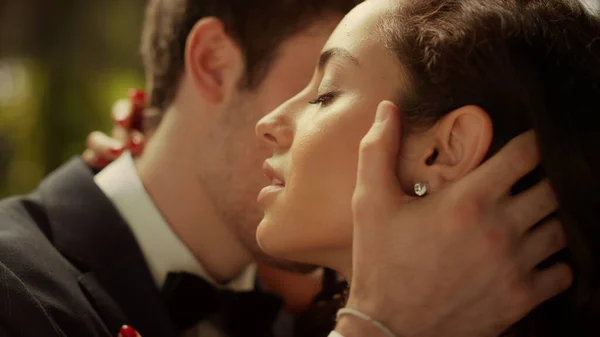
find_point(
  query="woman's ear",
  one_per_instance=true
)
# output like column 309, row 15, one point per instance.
column 461, row 140
column 213, row 60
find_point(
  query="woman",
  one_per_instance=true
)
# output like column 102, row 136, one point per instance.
column 466, row 77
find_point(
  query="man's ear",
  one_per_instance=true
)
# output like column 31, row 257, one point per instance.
column 213, row 60
column 461, row 140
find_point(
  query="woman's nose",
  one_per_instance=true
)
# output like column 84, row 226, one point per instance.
column 275, row 130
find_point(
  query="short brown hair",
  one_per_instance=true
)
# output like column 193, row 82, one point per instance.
column 259, row 27
column 530, row 64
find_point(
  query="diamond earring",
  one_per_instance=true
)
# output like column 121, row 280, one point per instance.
column 420, row 189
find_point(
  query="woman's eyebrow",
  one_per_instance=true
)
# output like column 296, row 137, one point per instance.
column 327, row 55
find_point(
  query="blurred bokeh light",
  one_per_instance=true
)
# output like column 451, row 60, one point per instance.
column 62, row 65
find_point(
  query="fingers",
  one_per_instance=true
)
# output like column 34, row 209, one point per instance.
column 551, row 281
column 122, row 113
column 139, row 100
column 133, row 140
column 546, row 240
column 104, row 146
column 497, row 175
column 127, row 113
column 377, row 183
column 127, row 116
column 533, row 205
column 379, row 150
column 136, row 143
column 127, row 331
column 93, row 161
column 101, row 150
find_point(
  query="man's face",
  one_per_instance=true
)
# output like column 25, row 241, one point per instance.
column 233, row 173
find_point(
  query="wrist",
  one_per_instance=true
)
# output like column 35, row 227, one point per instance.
column 350, row 326
column 369, row 305
column 382, row 311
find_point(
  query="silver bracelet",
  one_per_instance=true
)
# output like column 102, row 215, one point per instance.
column 356, row 313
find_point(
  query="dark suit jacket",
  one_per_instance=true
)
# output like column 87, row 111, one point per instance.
column 70, row 266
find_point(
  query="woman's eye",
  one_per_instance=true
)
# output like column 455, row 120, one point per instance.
column 322, row 99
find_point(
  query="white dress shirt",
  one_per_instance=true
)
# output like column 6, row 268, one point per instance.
column 162, row 249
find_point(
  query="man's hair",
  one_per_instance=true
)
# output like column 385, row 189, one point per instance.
column 530, row 64
column 258, row 26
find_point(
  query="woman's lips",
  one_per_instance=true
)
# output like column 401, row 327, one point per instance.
column 277, row 184
column 268, row 192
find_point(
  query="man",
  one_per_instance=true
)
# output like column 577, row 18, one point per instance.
column 83, row 255
column 112, row 240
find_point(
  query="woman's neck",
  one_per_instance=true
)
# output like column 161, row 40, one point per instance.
column 339, row 260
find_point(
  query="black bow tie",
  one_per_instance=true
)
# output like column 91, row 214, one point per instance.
column 190, row 299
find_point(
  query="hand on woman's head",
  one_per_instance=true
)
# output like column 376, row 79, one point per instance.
column 460, row 262
column 102, row 149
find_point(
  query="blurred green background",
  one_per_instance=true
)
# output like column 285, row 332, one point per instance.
column 62, row 65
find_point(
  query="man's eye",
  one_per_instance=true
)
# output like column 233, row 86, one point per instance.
column 322, row 99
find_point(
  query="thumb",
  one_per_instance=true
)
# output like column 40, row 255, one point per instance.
column 377, row 184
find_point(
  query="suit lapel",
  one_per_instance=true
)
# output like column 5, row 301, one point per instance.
column 87, row 230
column 108, row 310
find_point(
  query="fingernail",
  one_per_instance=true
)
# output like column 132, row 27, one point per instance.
column 137, row 96
column 137, row 139
column 116, row 151
column 121, row 123
column 135, row 142
column 121, row 113
column 383, row 111
column 127, row 331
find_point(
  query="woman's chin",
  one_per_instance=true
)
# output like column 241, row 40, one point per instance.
column 284, row 242
column 271, row 241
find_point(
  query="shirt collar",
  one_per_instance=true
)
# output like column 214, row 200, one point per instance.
column 163, row 250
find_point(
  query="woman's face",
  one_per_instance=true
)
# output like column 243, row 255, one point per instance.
column 315, row 138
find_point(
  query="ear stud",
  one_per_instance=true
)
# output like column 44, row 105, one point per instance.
column 420, row 189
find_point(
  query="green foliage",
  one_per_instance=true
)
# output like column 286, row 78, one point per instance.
column 59, row 80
